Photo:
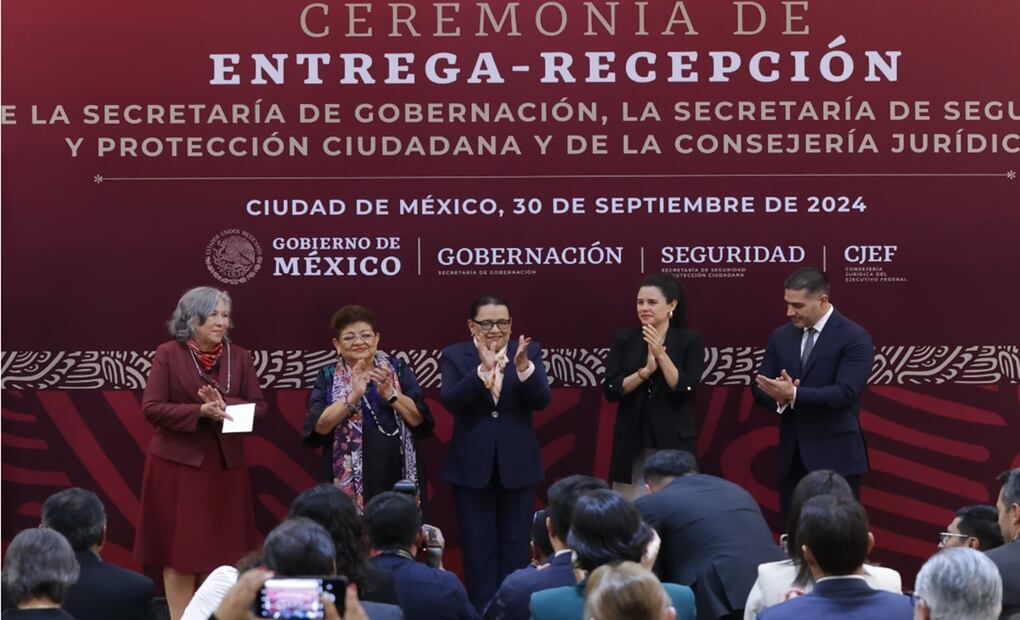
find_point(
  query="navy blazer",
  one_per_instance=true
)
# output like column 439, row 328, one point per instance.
column 824, row 419
column 513, row 598
column 713, row 539
column 847, row 599
column 426, row 593
column 483, row 430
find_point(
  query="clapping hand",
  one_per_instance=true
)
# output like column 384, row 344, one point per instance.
column 487, row 355
column 521, row 358
column 383, row 382
column 213, row 405
column 361, row 374
column 654, row 340
column 781, row 389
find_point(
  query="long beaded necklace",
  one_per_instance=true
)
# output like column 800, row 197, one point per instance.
column 209, row 379
column 371, row 411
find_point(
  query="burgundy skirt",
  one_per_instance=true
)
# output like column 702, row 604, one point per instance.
column 194, row 519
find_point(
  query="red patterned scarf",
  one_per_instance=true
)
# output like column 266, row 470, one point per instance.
column 207, row 359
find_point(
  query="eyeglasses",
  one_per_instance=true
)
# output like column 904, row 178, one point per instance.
column 945, row 536
column 352, row 338
column 486, row 326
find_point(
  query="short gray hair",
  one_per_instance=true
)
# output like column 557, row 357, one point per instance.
column 1010, row 480
column 39, row 564
column 960, row 583
column 193, row 308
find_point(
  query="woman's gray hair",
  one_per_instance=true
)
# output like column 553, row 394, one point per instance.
column 39, row 564
column 193, row 308
column 960, row 583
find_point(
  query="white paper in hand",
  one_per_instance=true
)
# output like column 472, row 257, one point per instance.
column 244, row 418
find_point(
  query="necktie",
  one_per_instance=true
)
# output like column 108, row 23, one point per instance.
column 810, row 344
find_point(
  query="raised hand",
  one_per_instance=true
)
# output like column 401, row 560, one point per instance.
column 360, row 376
column 213, row 406
column 654, row 339
column 383, row 382
column 521, row 357
column 487, row 355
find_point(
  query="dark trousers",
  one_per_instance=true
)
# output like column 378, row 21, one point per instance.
column 495, row 529
column 788, row 482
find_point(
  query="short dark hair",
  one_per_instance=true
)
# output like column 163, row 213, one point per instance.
column 78, row 515
column 334, row 510
column 393, row 520
column 669, row 464
column 673, row 290
column 981, row 522
column 835, row 529
column 820, row 482
column 606, row 528
column 486, row 300
column 39, row 564
column 811, row 279
column 350, row 314
column 540, row 534
column 299, row 546
column 563, row 495
column 1010, row 480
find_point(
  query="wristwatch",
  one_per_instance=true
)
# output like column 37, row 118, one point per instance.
column 393, row 397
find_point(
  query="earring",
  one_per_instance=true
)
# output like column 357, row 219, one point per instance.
column 670, row 314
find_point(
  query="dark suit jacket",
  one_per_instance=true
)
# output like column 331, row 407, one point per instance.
column 514, row 595
column 823, row 422
column 846, row 599
column 172, row 405
column 669, row 412
column 713, row 539
column 1007, row 559
column 103, row 591
column 484, row 431
column 426, row 593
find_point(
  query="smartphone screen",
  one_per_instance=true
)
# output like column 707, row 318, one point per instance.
column 298, row 597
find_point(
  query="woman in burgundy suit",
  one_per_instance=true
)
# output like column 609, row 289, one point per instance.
column 196, row 509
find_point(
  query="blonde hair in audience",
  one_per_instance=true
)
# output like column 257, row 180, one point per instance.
column 626, row 591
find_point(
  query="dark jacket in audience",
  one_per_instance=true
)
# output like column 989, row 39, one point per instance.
column 514, row 595
column 842, row 597
column 426, row 593
column 104, row 591
column 1007, row 559
column 36, row 614
column 713, row 539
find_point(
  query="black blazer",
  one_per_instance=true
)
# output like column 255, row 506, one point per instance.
column 670, row 412
column 513, row 599
column 483, row 430
column 823, row 424
column 713, row 539
column 102, row 591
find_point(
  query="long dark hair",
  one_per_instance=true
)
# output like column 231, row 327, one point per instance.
column 821, row 482
column 334, row 510
column 673, row 290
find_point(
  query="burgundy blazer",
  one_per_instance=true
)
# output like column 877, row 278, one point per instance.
column 171, row 404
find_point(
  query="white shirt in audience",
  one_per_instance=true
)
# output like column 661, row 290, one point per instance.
column 208, row 596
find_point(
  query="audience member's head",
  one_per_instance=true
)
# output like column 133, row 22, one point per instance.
column 77, row 514
column 334, row 510
column 976, row 527
column 626, row 590
column 39, row 568
column 958, row 583
column 563, row 496
column 299, row 546
column 606, row 528
column 393, row 521
column 667, row 465
column 821, row 482
column 541, row 546
column 1009, row 504
column 833, row 534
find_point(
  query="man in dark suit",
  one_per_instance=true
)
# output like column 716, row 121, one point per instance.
column 103, row 590
column 513, row 598
column 1007, row 557
column 713, row 533
column 812, row 375
column 393, row 521
column 492, row 384
column 835, row 540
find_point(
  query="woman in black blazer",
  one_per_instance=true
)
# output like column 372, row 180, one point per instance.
column 652, row 371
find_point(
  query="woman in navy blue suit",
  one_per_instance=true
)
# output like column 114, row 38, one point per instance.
column 492, row 384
